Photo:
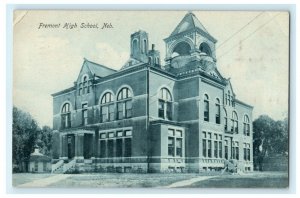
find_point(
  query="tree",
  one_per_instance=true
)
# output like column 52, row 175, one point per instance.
column 25, row 130
column 44, row 140
column 270, row 137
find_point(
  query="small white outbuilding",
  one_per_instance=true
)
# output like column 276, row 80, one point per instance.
column 39, row 163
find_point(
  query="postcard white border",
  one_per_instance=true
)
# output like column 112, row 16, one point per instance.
column 224, row 192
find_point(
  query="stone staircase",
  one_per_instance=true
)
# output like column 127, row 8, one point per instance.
column 61, row 167
column 230, row 166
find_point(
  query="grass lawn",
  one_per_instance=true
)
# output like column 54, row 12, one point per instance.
column 22, row 178
column 109, row 180
column 253, row 180
column 117, row 180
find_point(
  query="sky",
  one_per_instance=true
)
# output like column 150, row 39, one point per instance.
column 252, row 50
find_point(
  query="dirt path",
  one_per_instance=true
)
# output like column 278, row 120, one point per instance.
column 189, row 181
column 44, row 182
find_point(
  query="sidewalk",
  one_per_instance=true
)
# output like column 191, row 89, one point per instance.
column 44, row 182
column 189, row 181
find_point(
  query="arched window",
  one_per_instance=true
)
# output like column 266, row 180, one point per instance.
column 181, row 49
column 66, row 116
column 246, row 126
column 124, row 105
column 107, row 107
column 234, row 123
column 165, row 104
column 225, row 120
column 135, row 46
column 206, row 108
column 85, row 86
column 204, row 48
column 145, row 47
column 150, row 59
column 218, row 111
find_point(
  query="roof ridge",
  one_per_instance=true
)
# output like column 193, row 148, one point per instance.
column 100, row 65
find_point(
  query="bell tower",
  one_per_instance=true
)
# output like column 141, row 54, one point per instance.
column 189, row 41
column 139, row 46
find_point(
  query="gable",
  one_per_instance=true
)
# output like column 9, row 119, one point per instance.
column 84, row 71
column 229, row 88
column 93, row 69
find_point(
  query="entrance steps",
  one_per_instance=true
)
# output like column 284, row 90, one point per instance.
column 61, row 167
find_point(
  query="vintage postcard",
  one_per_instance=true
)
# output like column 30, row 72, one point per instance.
column 168, row 99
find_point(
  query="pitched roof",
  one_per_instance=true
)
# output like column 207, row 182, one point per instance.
column 97, row 69
column 189, row 22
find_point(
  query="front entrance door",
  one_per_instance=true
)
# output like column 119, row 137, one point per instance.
column 71, row 146
column 88, row 146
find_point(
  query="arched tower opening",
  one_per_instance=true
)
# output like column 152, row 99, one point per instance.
column 181, row 49
column 205, row 49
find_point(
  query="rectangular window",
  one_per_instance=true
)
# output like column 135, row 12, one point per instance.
column 128, row 110
column 102, row 135
column 161, row 109
column 119, row 145
column 179, row 147
column 236, row 130
column 171, row 132
column 36, row 166
column 248, row 130
column 206, row 111
column 102, row 149
column 104, row 113
column 44, row 166
column 171, row 146
column 111, row 112
column 245, row 154
column 248, row 154
column 209, row 148
column 237, row 153
column 204, row 148
column 128, row 133
column 127, row 149
column 120, row 110
column 111, row 134
column 119, row 133
column 220, row 149
column 84, row 114
column 209, row 135
column 225, row 124
column 66, row 120
column 204, row 134
column 218, row 113
column 110, row 148
column 215, row 149
column 169, row 111
column 216, row 136
column 178, row 133
column 226, row 152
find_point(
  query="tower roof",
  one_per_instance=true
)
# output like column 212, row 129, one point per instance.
column 188, row 23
